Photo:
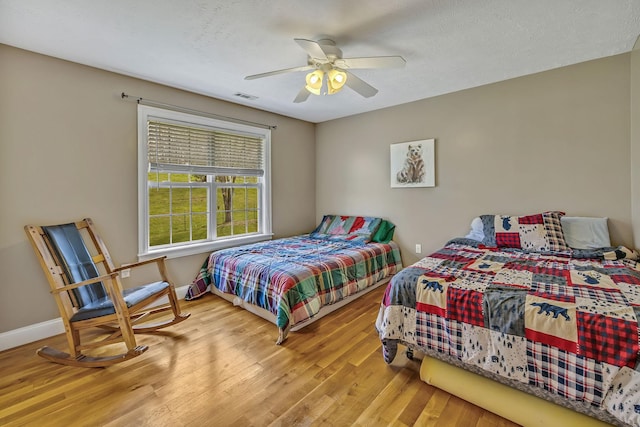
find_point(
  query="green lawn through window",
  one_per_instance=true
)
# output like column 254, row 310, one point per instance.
column 176, row 210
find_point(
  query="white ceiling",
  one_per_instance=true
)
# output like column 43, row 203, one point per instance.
column 208, row 46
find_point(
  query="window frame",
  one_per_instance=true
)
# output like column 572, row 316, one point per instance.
column 145, row 112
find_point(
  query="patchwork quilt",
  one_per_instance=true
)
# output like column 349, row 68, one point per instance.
column 565, row 322
column 294, row 277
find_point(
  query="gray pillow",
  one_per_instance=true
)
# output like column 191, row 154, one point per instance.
column 585, row 232
column 489, row 229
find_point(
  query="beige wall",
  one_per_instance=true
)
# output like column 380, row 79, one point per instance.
column 555, row 140
column 558, row 140
column 68, row 147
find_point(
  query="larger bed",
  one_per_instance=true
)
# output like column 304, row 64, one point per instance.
column 526, row 310
column 296, row 280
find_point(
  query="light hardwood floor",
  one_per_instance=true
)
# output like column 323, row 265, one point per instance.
column 222, row 368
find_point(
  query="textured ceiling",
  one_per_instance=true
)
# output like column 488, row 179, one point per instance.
column 208, row 47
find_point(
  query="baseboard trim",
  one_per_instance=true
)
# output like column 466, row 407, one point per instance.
column 31, row 333
column 48, row 328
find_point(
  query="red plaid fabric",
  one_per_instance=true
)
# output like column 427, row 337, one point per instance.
column 465, row 306
column 599, row 294
column 607, row 339
column 469, row 252
column 552, row 291
column 564, row 373
column 531, row 219
column 551, row 267
column 508, row 240
column 625, row 278
column 455, row 337
column 455, row 257
column 437, row 333
column 538, row 268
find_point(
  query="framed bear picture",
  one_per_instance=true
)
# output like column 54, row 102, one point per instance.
column 413, row 164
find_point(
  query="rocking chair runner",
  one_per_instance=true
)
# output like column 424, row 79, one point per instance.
column 89, row 294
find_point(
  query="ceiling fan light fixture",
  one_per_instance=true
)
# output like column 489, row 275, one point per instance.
column 314, row 81
column 335, row 81
column 324, row 57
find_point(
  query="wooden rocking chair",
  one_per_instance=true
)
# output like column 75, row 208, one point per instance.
column 87, row 289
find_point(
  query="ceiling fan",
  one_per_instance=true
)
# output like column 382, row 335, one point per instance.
column 325, row 59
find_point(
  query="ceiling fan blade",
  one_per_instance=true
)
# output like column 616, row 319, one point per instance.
column 312, row 48
column 302, row 95
column 360, row 86
column 371, row 62
column 286, row 70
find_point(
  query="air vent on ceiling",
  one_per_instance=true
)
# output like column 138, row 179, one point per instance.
column 245, row 96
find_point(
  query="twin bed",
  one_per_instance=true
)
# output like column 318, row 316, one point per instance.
column 518, row 304
column 294, row 281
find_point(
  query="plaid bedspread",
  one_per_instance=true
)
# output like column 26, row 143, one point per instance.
column 294, row 277
column 563, row 323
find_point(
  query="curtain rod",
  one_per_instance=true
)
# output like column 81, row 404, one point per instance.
column 152, row 103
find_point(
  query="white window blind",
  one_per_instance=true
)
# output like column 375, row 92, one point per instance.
column 190, row 148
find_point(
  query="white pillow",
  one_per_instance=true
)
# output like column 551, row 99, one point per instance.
column 585, row 232
column 477, row 232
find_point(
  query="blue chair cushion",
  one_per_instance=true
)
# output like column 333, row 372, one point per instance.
column 76, row 261
column 104, row 306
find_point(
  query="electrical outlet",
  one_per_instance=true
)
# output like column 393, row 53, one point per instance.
column 418, row 248
column 125, row 273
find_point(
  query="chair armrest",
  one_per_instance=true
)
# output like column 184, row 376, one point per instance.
column 102, row 278
column 139, row 263
column 159, row 261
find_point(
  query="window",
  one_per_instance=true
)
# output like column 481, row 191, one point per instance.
column 204, row 184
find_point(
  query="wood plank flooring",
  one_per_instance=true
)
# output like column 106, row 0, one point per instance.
column 222, row 368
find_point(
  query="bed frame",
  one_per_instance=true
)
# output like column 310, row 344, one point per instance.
column 324, row 310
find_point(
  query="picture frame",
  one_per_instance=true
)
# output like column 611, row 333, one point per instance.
column 413, row 164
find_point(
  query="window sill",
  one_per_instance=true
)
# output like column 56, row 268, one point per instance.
column 206, row 247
